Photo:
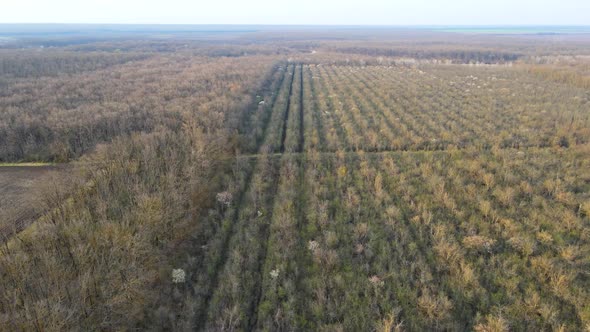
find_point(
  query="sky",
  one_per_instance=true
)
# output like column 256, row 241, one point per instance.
column 306, row 12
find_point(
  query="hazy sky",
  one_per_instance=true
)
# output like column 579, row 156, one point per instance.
column 372, row 12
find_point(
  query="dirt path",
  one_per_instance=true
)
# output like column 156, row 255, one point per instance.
column 286, row 118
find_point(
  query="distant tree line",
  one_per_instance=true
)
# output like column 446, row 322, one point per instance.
column 62, row 117
column 50, row 63
column 456, row 56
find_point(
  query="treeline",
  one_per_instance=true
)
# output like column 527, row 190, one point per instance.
column 61, row 118
column 210, row 48
column 20, row 64
column 455, row 56
column 103, row 258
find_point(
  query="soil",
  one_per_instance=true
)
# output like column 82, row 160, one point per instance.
column 20, row 202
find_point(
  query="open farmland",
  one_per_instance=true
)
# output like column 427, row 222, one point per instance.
column 324, row 191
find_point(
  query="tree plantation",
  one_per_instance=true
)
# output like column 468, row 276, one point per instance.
column 297, row 182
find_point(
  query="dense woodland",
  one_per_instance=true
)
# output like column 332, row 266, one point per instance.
column 57, row 118
column 301, row 182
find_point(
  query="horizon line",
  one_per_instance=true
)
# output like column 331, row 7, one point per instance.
column 306, row 25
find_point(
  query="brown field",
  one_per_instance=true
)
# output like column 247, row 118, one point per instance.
column 19, row 201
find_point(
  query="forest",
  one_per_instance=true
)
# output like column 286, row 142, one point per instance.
column 295, row 181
